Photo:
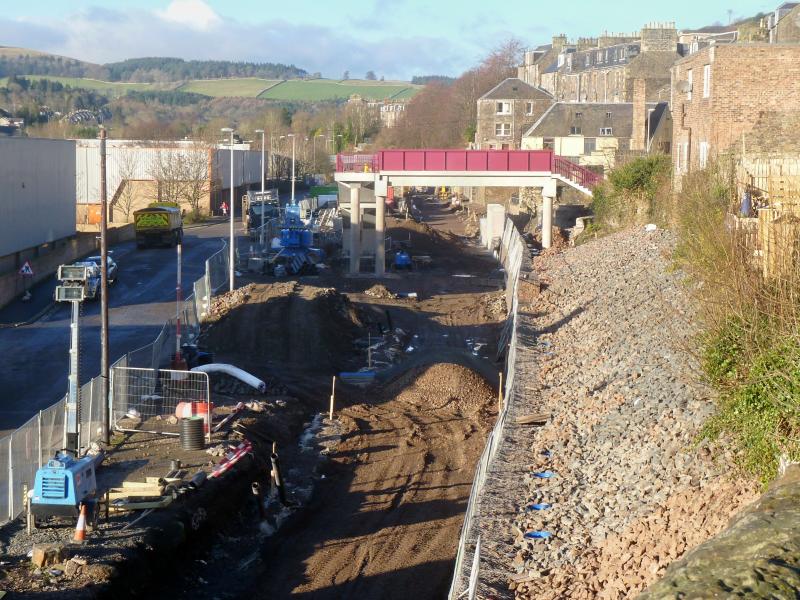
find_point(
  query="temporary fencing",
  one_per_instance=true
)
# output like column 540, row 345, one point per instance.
column 151, row 396
column 34, row 443
column 512, row 254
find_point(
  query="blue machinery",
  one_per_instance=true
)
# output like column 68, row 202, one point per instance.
column 66, row 481
column 296, row 240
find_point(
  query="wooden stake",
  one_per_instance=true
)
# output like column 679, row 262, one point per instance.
column 333, row 396
column 500, row 395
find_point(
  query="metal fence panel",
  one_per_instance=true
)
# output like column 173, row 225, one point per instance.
column 52, row 429
column 154, row 395
column 217, row 269
column 24, row 457
column 5, row 508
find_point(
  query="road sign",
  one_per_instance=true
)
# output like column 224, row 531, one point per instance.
column 26, row 269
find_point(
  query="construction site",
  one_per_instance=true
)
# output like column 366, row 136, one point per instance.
column 375, row 398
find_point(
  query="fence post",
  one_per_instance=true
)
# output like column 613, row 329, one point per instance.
column 10, row 478
column 39, row 423
column 89, row 424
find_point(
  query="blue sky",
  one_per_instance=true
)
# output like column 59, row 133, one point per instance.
column 395, row 38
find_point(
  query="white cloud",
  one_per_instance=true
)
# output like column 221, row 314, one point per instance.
column 194, row 14
column 138, row 32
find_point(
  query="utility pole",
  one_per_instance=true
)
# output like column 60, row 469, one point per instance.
column 104, row 287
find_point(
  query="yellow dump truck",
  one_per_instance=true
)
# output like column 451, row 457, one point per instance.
column 157, row 226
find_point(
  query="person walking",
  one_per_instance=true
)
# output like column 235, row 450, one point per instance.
column 224, row 208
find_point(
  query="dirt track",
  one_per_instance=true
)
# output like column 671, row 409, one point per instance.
column 387, row 522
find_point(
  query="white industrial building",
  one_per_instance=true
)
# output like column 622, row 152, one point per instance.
column 137, row 162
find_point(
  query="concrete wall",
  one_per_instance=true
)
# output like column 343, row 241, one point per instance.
column 46, row 260
column 37, row 195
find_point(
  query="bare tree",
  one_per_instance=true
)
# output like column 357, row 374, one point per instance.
column 196, row 180
column 166, row 171
column 128, row 165
column 182, row 175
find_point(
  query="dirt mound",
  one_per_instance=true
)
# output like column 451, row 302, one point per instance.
column 290, row 326
column 380, row 291
column 224, row 303
column 443, row 387
column 493, row 306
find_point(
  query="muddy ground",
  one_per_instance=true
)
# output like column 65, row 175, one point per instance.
column 381, row 491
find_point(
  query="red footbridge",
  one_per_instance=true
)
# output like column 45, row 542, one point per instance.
column 477, row 168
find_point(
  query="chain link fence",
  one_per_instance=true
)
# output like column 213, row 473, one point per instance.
column 512, row 255
column 34, row 443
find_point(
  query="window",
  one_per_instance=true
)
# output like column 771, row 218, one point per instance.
column 685, row 157
column 608, row 115
column 504, row 108
column 578, row 115
column 549, row 143
column 589, row 145
column 529, row 108
column 689, row 81
column 703, row 158
column 706, row 81
column 606, row 131
column 575, row 130
column 502, row 129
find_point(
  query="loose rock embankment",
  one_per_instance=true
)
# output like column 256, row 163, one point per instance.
column 632, row 491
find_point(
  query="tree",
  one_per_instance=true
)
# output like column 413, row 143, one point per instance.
column 128, row 165
column 346, row 75
column 182, row 175
column 370, row 76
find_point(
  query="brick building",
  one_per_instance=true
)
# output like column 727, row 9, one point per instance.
column 603, row 69
column 787, row 28
column 506, row 111
column 720, row 93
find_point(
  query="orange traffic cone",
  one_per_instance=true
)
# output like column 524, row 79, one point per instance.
column 80, row 530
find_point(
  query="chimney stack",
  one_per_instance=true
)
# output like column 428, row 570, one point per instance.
column 639, row 133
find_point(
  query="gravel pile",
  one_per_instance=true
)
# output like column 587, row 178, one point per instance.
column 614, row 487
column 380, row 291
column 443, row 387
column 493, row 306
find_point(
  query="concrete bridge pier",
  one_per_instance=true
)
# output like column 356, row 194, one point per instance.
column 548, row 197
column 355, row 227
column 381, row 192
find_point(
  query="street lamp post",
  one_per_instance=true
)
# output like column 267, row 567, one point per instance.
column 263, row 141
column 231, row 256
column 291, row 135
column 314, row 150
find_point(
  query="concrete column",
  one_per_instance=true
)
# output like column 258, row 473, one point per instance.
column 355, row 227
column 380, row 235
column 547, row 221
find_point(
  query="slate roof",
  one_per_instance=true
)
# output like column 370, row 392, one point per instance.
column 515, row 89
column 558, row 120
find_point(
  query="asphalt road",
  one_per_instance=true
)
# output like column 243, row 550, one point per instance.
column 35, row 360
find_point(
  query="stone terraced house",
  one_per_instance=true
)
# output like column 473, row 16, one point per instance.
column 506, row 111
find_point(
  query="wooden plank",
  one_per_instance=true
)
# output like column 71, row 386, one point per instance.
column 533, row 419
column 140, row 484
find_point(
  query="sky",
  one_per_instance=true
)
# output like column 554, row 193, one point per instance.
column 396, row 39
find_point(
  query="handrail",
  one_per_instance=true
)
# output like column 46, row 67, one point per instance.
column 576, row 173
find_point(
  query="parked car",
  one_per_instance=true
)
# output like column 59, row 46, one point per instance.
column 113, row 268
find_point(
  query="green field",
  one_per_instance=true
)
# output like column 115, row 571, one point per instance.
column 115, row 88
column 227, row 88
column 317, row 90
column 297, row 90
